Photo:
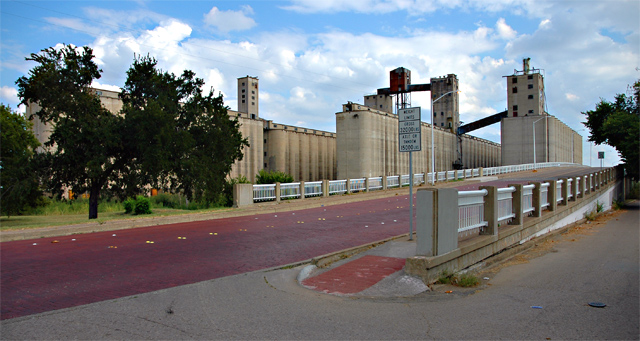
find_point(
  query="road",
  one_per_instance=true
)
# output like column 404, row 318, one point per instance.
column 54, row 273
column 595, row 262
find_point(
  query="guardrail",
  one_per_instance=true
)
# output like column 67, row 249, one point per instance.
column 471, row 212
column 300, row 190
column 487, row 210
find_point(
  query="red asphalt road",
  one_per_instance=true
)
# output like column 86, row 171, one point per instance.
column 99, row 266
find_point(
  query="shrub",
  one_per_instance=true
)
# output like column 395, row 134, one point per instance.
column 166, row 200
column 271, row 177
column 142, row 205
column 128, row 205
column 467, row 280
column 599, row 207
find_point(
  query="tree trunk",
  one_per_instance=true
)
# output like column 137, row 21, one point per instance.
column 93, row 202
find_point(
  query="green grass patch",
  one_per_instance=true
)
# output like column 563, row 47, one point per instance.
column 465, row 280
column 38, row 221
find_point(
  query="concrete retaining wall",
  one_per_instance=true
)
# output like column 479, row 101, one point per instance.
column 435, row 260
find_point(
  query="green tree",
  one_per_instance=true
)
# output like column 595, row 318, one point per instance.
column 19, row 185
column 182, row 139
column 618, row 125
column 168, row 133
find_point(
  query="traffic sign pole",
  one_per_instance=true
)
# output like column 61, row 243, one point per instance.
column 409, row 140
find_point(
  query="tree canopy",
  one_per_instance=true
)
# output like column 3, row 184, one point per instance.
column 19, row 185
column 167, row 135
column 618, row 125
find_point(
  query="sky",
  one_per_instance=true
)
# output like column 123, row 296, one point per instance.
column 312, row 56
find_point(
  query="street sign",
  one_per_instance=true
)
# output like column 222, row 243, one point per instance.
column 600, row 155
column 409, row 130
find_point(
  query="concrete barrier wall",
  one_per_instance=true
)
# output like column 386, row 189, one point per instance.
column 433, row 258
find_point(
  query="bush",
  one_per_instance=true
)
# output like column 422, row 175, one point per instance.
column 128, row 205
column 142, row 205
column 166, row 200
column 266, row 177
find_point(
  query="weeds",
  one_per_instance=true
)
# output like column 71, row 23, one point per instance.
column 465, row 280
column 599, row 207
column 617, row 205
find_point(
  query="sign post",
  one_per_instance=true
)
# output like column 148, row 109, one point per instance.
column 601, row 157
column 409, row 140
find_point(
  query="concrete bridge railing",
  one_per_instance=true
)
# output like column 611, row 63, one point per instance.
column 491, row 220
column 246, row 194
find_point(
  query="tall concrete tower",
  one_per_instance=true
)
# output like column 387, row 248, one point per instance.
column 248, row 96
column 525, row 92
column 446, row 111
column 380, row 102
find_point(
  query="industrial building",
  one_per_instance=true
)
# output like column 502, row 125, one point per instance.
column 553, row 141
column 366, row 140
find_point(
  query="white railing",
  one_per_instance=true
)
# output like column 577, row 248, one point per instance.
column 527, row 199
column 312, row 189
column 356, row 185
column 559, row 197
column 451, row 175
column 570, row 188
column 375, row 183
column 505, row 203
column 418, row 179
column 264, row 192
column 471, row 212
column 290, row 190
column 544, row 195
column 337, row 187
column 404, row 180
column 393, row 181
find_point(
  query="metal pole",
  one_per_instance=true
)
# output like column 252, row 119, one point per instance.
column 410, row 197
column 433, row 160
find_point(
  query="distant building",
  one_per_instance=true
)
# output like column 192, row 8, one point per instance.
column 554, row 140
column 525, row 92
column 446, row 111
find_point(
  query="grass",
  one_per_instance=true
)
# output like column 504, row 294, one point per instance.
column 465, row 280
column 37, row 221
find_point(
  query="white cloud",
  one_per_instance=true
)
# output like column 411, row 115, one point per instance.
column 9, row 96
column 226, row 21
column 504, row 30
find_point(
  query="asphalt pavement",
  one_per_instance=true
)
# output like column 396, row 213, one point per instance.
column 541, row 294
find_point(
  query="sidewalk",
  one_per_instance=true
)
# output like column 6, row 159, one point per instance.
column 377, row 272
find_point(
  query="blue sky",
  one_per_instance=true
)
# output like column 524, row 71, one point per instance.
column 313, row 56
